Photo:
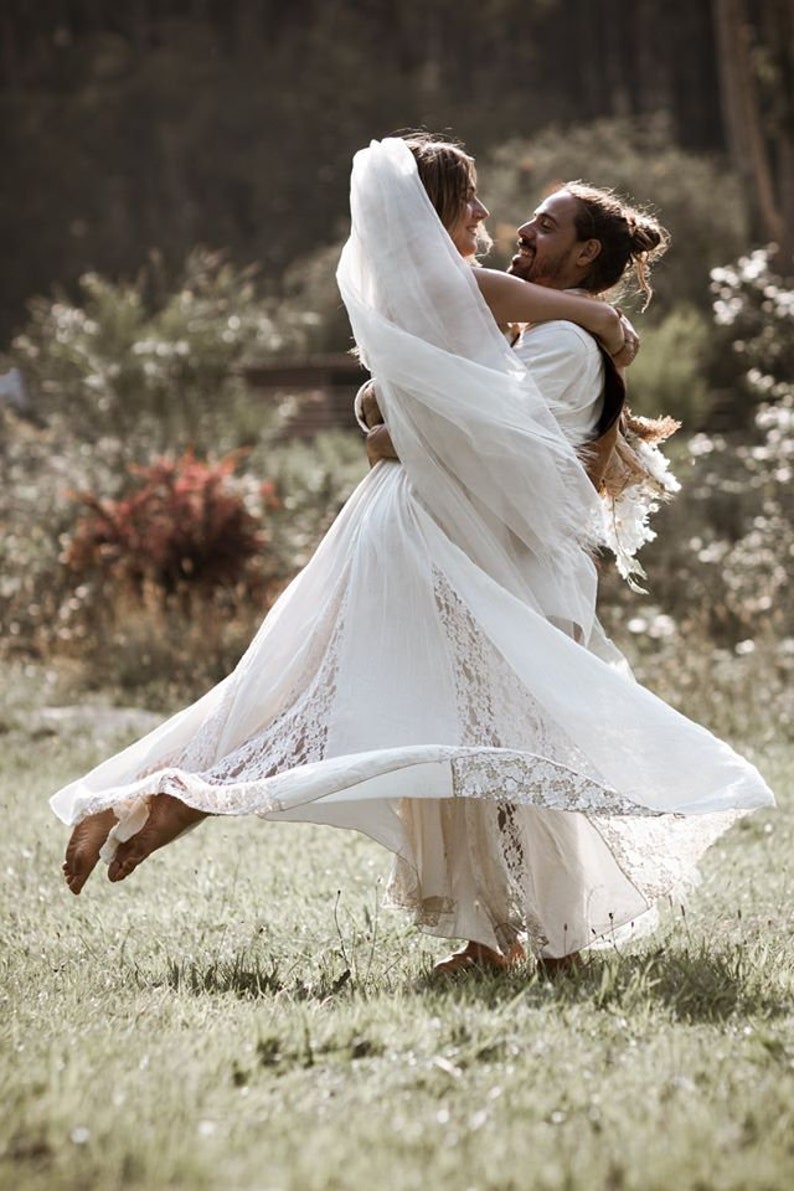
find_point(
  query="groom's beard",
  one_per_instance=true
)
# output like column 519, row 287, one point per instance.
column 526, row 268
column 521, row 266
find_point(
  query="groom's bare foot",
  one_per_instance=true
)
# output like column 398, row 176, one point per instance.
column 82, row 851
column 477, row 955
column 561, row 965
column 168, row 818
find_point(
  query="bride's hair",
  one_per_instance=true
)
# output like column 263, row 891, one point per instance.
column 448, row 175
column 631, row 240
column 446, row 172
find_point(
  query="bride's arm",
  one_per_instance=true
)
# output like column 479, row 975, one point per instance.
column 514, row 301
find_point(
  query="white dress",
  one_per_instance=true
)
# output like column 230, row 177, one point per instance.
column 435, row 676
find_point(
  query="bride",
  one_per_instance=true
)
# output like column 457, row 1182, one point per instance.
column 530, row 790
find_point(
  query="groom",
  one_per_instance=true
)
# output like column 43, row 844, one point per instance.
column 576, row 376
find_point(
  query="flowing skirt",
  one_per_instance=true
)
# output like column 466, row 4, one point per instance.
column 525, row 784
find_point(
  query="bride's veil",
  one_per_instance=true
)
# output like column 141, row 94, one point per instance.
column 482, row 451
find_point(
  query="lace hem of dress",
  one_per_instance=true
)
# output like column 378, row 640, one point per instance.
column 504, row 776
column 655, row 859
column 494, row 774
column 441, row 919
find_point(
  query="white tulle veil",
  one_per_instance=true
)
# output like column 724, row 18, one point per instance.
column 478, row 442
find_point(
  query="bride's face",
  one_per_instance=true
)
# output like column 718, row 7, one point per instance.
column 464, row 229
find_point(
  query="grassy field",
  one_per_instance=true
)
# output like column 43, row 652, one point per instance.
column 241, row 1015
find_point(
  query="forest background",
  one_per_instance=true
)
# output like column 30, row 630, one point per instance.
column 173, row 203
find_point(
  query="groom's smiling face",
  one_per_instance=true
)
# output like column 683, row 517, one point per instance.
column 549, row 249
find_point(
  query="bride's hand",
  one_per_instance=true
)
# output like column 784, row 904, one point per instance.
column 631, row 344
column 610, row 329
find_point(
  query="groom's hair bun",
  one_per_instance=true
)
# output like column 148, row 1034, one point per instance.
column 631, row 239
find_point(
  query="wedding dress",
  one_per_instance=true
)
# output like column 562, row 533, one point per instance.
column 435, row 677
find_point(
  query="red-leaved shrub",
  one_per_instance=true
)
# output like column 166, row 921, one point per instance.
column 181, row 523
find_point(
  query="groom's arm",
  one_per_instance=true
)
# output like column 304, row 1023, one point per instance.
column 365, row 407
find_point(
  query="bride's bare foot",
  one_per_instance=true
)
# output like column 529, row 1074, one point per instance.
column 477, row 955
column 82, row 851
column 168, row 818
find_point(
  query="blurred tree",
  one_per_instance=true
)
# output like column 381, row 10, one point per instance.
column 756, row 59
column 137, row 126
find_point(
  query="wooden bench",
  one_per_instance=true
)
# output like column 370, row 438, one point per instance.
column 323, row 388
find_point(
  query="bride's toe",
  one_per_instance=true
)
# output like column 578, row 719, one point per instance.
column 83, row 848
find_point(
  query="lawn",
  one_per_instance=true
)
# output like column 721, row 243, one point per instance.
column 242, row 1015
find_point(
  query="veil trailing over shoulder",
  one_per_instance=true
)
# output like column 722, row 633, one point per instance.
column 433, row 676
column 481, row 448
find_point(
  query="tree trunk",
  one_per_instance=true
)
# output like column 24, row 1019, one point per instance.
column 615, row 57
column 745, row 133
column 780, row 39
column 652, row 65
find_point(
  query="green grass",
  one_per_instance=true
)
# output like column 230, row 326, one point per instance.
column 241, row 1015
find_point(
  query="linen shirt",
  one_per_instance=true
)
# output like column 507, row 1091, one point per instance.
column 566, row 364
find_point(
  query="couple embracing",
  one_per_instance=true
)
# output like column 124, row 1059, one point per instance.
column 436, row 676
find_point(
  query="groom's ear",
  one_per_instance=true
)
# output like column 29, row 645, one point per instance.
column 587, row 251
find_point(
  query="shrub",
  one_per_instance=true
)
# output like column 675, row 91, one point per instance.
column 169, row 565
column 131, row 357
column 754, row 342
column 720, row 566
column 157, row 652
column 165, row 581
column 112, row 624
column 721, row 628
column 667, row 375
column 181, row 522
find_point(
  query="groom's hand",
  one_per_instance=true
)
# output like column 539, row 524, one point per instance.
column 380, row 445
column 370, row 410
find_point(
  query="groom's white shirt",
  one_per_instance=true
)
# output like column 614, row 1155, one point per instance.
column 566, row 365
